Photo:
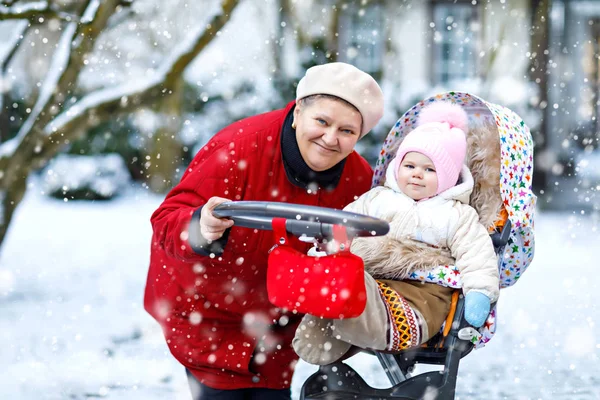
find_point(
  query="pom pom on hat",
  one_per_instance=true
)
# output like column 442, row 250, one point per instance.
column 452, row 114
column 346, row 82
column 441, row 136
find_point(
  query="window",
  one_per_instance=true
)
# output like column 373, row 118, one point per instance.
column 361, row 38
column 454, row 41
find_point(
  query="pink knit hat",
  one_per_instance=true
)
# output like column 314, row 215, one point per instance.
column 441, row 136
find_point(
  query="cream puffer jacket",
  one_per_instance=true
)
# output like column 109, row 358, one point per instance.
column 443, row 221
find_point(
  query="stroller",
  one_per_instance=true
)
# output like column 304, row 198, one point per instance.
column 506, row 207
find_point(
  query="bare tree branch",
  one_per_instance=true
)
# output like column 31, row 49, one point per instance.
column 17, row 164
column 95, row 107
column 21, row 31
column 67, row 65
column 34, row 11
column 46, row 132
column 98, row 105
column 212, row 29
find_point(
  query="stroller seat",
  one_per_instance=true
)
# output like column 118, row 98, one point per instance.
column 340, row 381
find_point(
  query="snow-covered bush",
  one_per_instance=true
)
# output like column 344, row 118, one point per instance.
column 73, row 177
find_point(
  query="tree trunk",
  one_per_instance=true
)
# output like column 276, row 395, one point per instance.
column 10, row 200
column 166, row 152
column 333, row 47
column 538, row 73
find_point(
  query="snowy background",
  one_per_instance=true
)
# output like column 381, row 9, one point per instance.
column 72, row 324
column 72, row 273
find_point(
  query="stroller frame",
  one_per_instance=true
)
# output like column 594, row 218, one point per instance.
column 339, row 381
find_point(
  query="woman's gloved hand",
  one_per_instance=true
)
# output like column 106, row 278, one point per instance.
column 477, row 308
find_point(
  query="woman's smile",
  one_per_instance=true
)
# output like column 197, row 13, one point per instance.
column 325, row 149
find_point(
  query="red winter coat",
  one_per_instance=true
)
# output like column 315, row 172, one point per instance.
column 215, row 311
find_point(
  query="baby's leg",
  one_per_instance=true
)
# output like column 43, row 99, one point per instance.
column 370, row 329
column 429, row 302
column 398, row 315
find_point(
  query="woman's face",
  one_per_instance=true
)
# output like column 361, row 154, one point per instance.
column 327, row 131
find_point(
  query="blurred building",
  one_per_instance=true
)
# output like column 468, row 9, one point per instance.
column 539, row 58
column 571, row 156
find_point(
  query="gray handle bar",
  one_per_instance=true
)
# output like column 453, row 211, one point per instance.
column 301, row 219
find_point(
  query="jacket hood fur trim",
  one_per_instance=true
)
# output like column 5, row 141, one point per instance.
column 398, row 259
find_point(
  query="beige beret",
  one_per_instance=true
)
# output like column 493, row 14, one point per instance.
column 346, row 82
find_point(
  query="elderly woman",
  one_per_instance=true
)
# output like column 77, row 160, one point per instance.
column 207, row 279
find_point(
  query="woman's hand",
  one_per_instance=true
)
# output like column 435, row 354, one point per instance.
column 211, row 227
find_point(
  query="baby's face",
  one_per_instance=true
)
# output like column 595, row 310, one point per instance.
column 417, row 177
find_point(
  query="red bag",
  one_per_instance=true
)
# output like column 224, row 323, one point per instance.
column 332, row 286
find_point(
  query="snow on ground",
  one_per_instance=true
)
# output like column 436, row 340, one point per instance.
column 72, row 323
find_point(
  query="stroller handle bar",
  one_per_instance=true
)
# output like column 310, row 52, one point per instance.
column 301, row 220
